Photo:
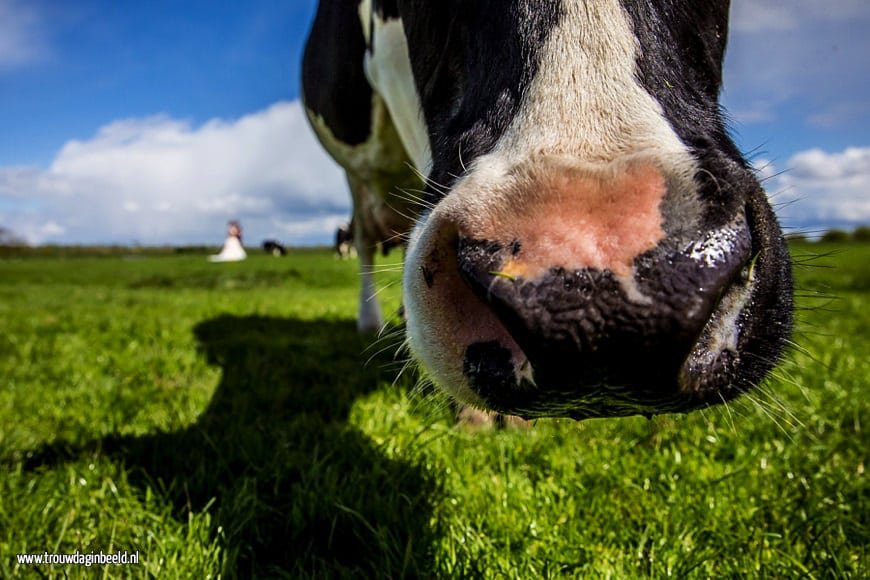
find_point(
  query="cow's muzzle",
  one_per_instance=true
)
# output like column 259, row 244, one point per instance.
column 589, row 297
column 599, row 343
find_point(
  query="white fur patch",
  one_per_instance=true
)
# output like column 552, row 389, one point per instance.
column 388, row 69
column 369, row 318
column 365, row 17
column 586, row 102
column 381, row 150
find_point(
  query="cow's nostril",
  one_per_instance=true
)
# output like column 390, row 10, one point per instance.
column 480, row 263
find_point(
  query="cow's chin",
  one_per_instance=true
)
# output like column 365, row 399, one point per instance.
column 546, row 346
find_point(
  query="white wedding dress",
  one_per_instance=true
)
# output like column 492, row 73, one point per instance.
column 231, row 252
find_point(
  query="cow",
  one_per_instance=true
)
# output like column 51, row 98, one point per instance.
column 274, row 247
column 344, row 241
column 584, row 237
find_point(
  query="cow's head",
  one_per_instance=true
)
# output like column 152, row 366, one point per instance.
column 595, row 244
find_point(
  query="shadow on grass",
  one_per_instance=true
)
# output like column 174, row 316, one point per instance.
column 296, row 489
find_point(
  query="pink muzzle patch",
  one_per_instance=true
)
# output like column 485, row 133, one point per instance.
column 576, row 219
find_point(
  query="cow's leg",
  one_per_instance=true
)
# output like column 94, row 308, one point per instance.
column 356, row 126
column 366, row 234
column 370, row 319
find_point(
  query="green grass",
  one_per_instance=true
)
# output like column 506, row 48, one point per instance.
column 219, row 419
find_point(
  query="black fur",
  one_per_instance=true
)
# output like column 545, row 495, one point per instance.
column 342, row 96
column 473, row 67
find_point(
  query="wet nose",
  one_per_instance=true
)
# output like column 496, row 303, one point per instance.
column 588, row 328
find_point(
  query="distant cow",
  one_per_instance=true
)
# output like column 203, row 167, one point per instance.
column 275, row 248
column 588, row 241
column 344, row 241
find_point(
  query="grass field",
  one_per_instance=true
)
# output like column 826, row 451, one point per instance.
column 219, row 420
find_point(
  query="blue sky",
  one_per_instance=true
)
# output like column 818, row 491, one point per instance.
column 86, row 63
column 155, row 122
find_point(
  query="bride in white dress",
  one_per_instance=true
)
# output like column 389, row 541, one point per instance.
column 232, row 250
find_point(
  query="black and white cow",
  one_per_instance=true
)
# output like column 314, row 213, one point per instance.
column 344, row 241
column 589, row 241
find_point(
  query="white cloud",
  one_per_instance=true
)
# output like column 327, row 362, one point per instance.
column 161, row 180
column 297, row 229
column 839, row 114
column 757, row 16
column 764, row 16
column 819, row 190
column 807, row 55
column 754, row 113
column 21, row 37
